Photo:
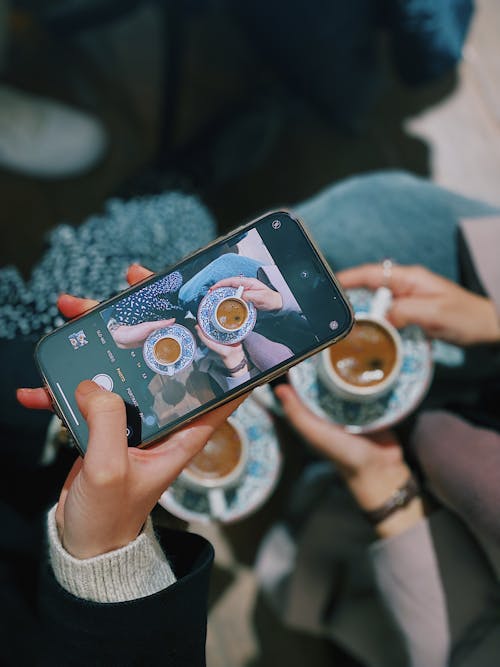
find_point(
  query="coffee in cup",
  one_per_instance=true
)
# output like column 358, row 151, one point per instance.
column 366, row 363
column 221, row 461
column 219, row 466
column 167, row 350
column 231, row 314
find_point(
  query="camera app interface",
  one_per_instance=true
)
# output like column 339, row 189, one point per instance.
column 221, row 319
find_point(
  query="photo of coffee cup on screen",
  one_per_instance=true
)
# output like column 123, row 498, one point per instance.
column 207, row 328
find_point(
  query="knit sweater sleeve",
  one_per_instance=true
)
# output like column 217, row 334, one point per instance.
column 134, row 571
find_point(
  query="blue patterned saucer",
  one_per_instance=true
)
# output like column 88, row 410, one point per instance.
column 186, row 341
column 206, row 312
column 258, row 482
column 408, row 392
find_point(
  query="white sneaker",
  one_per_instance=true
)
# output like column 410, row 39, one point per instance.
column 47, row 139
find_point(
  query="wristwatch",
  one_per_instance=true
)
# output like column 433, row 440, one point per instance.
column 399, row 499
column 238, row 367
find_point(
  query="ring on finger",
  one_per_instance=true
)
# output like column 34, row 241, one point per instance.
column 387, row 266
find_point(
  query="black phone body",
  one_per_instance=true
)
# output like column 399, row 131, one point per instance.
column 299, row 310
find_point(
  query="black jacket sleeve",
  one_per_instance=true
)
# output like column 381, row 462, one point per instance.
column 168, row 628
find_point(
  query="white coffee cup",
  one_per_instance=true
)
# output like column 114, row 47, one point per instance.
column 216, row 486
column 380, row 304
column 233, row 297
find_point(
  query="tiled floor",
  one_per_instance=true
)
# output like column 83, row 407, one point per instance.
column 451, row 134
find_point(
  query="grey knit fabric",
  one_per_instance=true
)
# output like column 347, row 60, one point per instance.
column 137, row 570
column 90, row 260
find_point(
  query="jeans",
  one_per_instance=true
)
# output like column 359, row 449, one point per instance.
column 389, row 214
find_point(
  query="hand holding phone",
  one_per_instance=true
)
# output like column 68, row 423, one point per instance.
column 109, row 494
column 224, row 320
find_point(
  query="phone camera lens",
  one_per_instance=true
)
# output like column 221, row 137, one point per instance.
column 334, row 325
column 276, row 224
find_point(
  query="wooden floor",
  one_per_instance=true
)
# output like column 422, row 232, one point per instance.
column 449, row 132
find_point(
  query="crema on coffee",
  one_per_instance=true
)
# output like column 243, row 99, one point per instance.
column 365, row 357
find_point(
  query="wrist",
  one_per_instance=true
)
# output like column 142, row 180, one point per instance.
column 375, row 488
column 402, row 519
column 137, row 570
column 373, row 485
column 236, row 363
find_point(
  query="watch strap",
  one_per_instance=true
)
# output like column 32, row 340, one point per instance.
column 239, row 367
column 399, row 499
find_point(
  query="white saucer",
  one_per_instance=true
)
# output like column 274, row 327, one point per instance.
column 411, row 387
column 258, row 482
column 188, row 346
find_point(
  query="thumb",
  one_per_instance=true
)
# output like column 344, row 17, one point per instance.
column 413, row 310
column 104, row 412
column 329, row 438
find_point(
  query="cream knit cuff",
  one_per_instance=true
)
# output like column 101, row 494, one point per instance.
column 136, row 570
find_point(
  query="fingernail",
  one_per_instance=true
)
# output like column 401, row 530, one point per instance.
column 88, row 387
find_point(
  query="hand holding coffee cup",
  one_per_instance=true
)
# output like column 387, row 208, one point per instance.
column 219, row 466
column 366, row 364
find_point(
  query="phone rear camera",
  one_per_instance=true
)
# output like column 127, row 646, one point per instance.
column 334, row 325
column 276, row 224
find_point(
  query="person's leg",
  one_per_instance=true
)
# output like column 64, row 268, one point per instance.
column 461, row 463
column 389, row 214
column 225, row 266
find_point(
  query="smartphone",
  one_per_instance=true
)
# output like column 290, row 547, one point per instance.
column 226, row 319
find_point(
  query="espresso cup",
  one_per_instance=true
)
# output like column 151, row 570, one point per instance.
column 219, row 466
column 231, row 313
column 366, row 364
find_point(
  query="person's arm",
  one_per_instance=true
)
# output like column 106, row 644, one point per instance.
column 430, row 571
column 374, row 469
column 165, row 628
column 102, row 510
column 111, row 595
column 133, row 571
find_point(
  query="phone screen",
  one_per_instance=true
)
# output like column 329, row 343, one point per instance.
column 217, row 322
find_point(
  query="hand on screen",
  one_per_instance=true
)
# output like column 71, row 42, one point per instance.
column 129, row 336
column 231, row 355
column 441, row 307
column 262, row 296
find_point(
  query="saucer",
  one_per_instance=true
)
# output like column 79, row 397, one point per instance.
column 254, row 488
column 187, row 343
column 409, row 390
column 206, row 312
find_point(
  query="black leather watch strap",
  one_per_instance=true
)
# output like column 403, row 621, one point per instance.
column 399, row 499
column 239, row 367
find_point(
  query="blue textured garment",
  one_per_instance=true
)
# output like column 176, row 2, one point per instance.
column 91, row 260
